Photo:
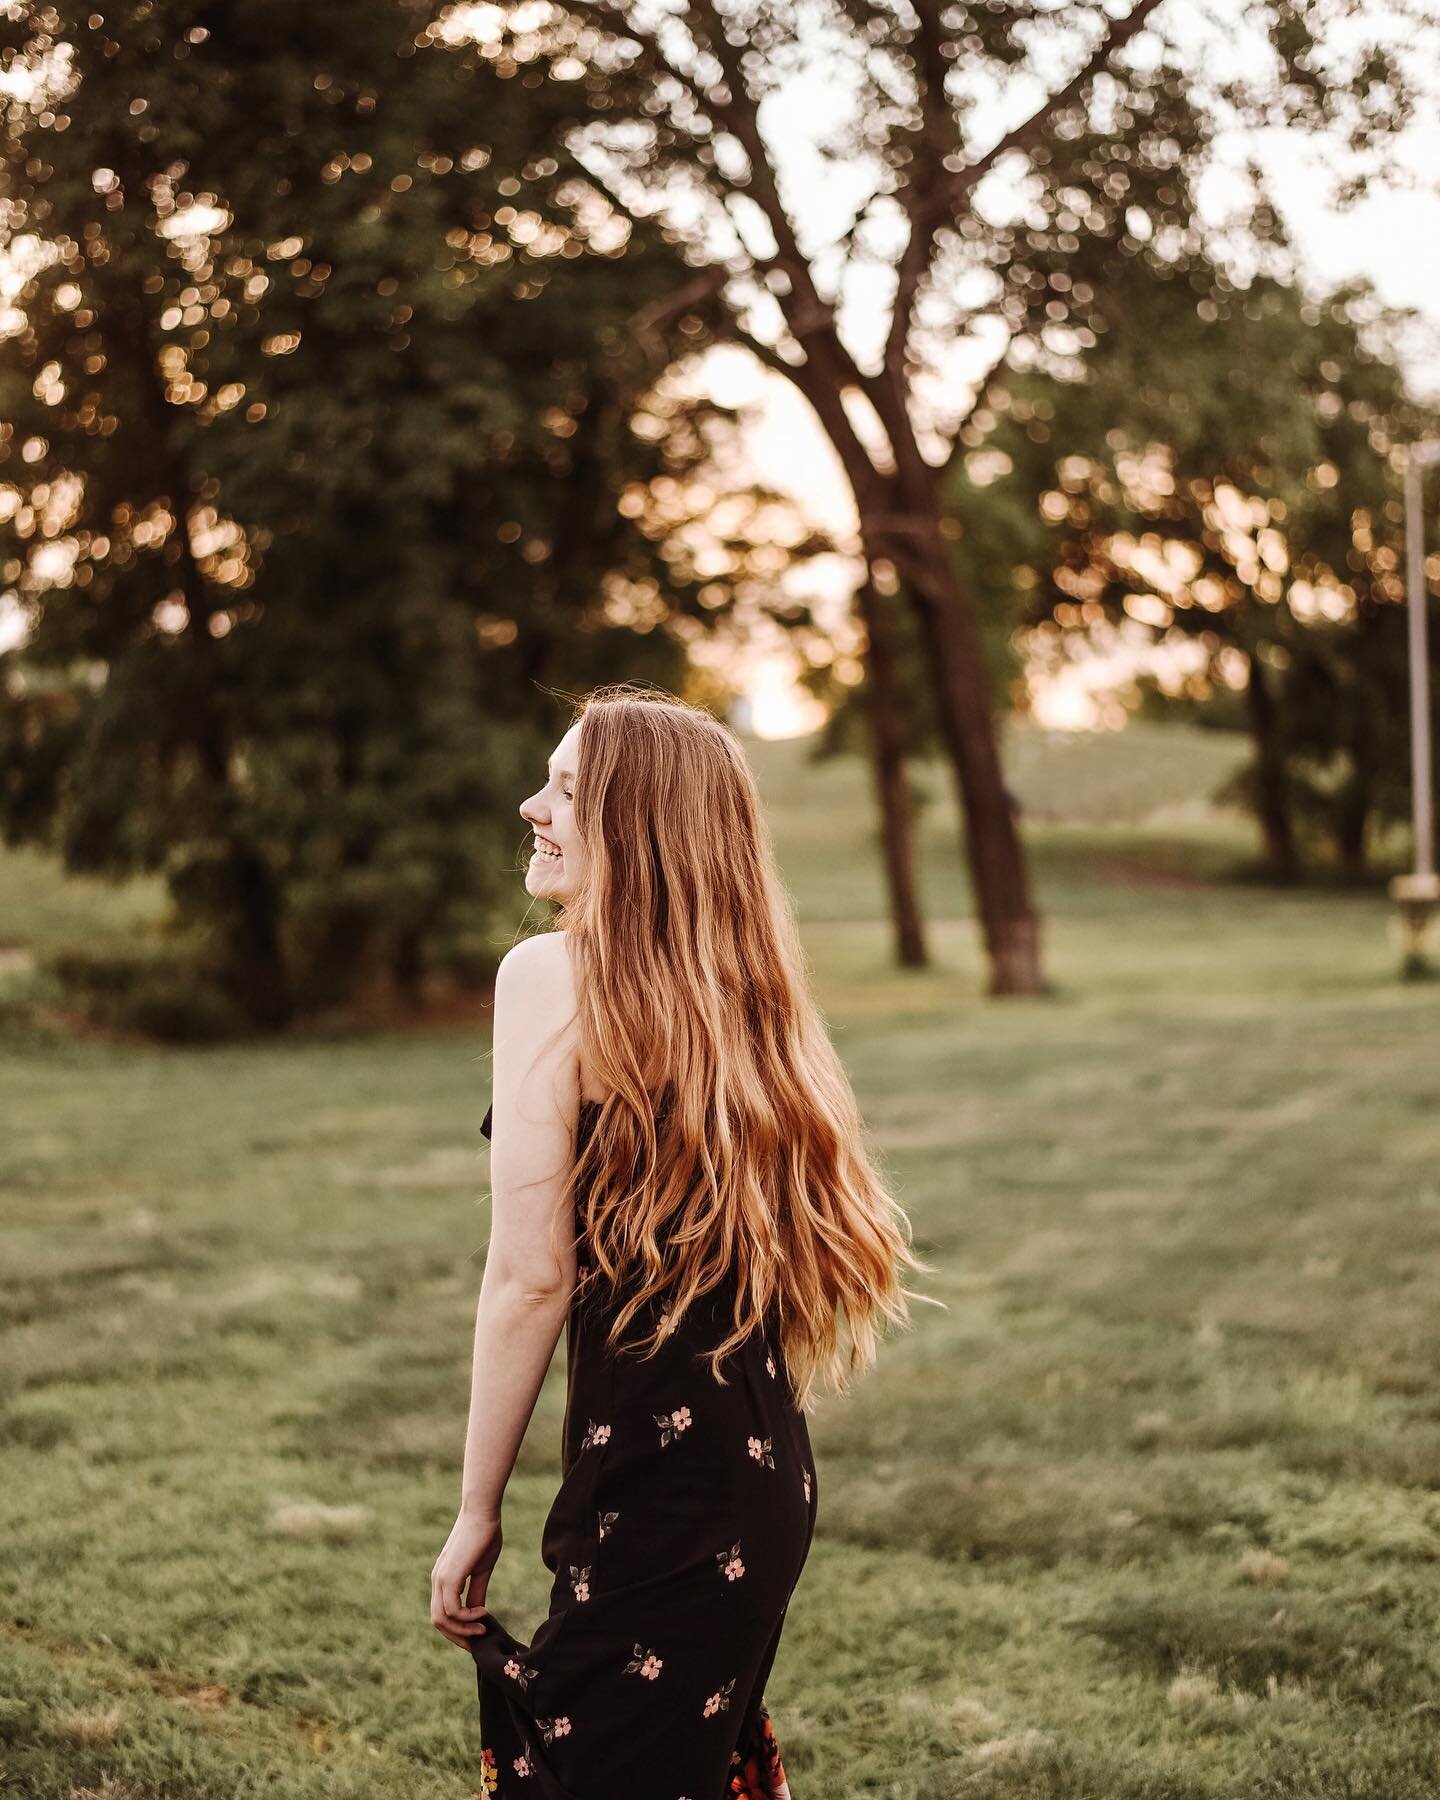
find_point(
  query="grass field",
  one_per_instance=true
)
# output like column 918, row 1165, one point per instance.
column 1149, row 1511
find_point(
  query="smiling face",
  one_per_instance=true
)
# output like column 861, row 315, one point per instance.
column 557, row 857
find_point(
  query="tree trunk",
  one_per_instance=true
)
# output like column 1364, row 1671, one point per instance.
column 1353, row 806
column 900, row 522
column 1355, row 803
column 1272, row 800
column 1352, row 833
column 256, row 969
column 990, row 839
column 244, row 901
column 888, row 764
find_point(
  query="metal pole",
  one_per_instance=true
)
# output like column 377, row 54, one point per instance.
column 1417, row 895
column 1421, row 765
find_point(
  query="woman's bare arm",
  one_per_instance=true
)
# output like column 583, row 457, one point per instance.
column 526, row 1288
column 529, row 1263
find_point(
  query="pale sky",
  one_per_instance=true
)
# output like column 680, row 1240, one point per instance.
column 1392, row 237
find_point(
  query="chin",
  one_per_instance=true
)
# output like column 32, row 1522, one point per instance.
column 541, row 888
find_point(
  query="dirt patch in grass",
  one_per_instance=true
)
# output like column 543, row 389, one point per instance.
column 1139, row 872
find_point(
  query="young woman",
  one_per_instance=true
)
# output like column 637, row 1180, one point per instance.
column 678, row 1177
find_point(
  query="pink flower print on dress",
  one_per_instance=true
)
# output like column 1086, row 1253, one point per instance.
column 580, row 1581
column 489, row 1774
column 607, row 1521
column 550, row 1729
column 644, row 1662
column 806, row 1474
column 518, row 1672
column 731, row 1566
column 672, row 1423
column 595, row 1434
column 523, row 1765
column 761, row 1451
column 719, row 1701
column 770, row 1366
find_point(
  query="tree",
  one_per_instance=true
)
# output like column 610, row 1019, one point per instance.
column 1229, row 483
column 674, row 114
column 883, row 716
column 317, row 417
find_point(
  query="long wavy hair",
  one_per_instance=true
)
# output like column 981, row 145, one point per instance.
column 729, row 1137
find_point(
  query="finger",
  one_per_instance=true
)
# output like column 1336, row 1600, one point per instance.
column 459, row 1611
column 454, row 1616
column 458, row 1630
column 449, row 1587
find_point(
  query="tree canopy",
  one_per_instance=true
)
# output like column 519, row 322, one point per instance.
column 317, row 422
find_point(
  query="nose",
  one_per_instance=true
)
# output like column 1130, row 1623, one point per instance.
column 530, row 812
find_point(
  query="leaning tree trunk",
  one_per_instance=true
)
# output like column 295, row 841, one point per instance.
column 887, row 745
column 899, row 515
column 994, row 853
column 1272, row 799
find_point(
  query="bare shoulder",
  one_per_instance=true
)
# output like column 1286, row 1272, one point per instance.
column 538, row 972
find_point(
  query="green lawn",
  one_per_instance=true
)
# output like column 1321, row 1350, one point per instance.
column 1151, row 1511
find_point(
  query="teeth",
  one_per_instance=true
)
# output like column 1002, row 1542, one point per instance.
column 545, row 851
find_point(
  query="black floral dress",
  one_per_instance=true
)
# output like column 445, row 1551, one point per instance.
column 679, row 1531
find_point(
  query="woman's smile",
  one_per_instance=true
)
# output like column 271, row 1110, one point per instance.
column 556, row 863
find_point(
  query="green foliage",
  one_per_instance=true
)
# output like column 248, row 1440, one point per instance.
column 146, row 988
column 1221, row 476
column 315, row 429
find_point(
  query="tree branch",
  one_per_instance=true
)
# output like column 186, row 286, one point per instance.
column 614, row 16
column 937, row 136
column 932, row 205
column 648, row 326
column 956, row 189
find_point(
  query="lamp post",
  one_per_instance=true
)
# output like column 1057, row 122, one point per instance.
column 1417, row 895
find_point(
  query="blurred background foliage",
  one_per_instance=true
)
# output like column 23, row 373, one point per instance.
column 350, row 422
column 308, row 541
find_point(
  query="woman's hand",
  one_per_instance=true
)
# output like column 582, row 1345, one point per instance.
column 472, row 1550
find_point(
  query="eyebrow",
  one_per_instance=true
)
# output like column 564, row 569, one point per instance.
column 549, row 765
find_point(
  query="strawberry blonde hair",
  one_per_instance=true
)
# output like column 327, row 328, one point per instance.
column 729, row 1134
